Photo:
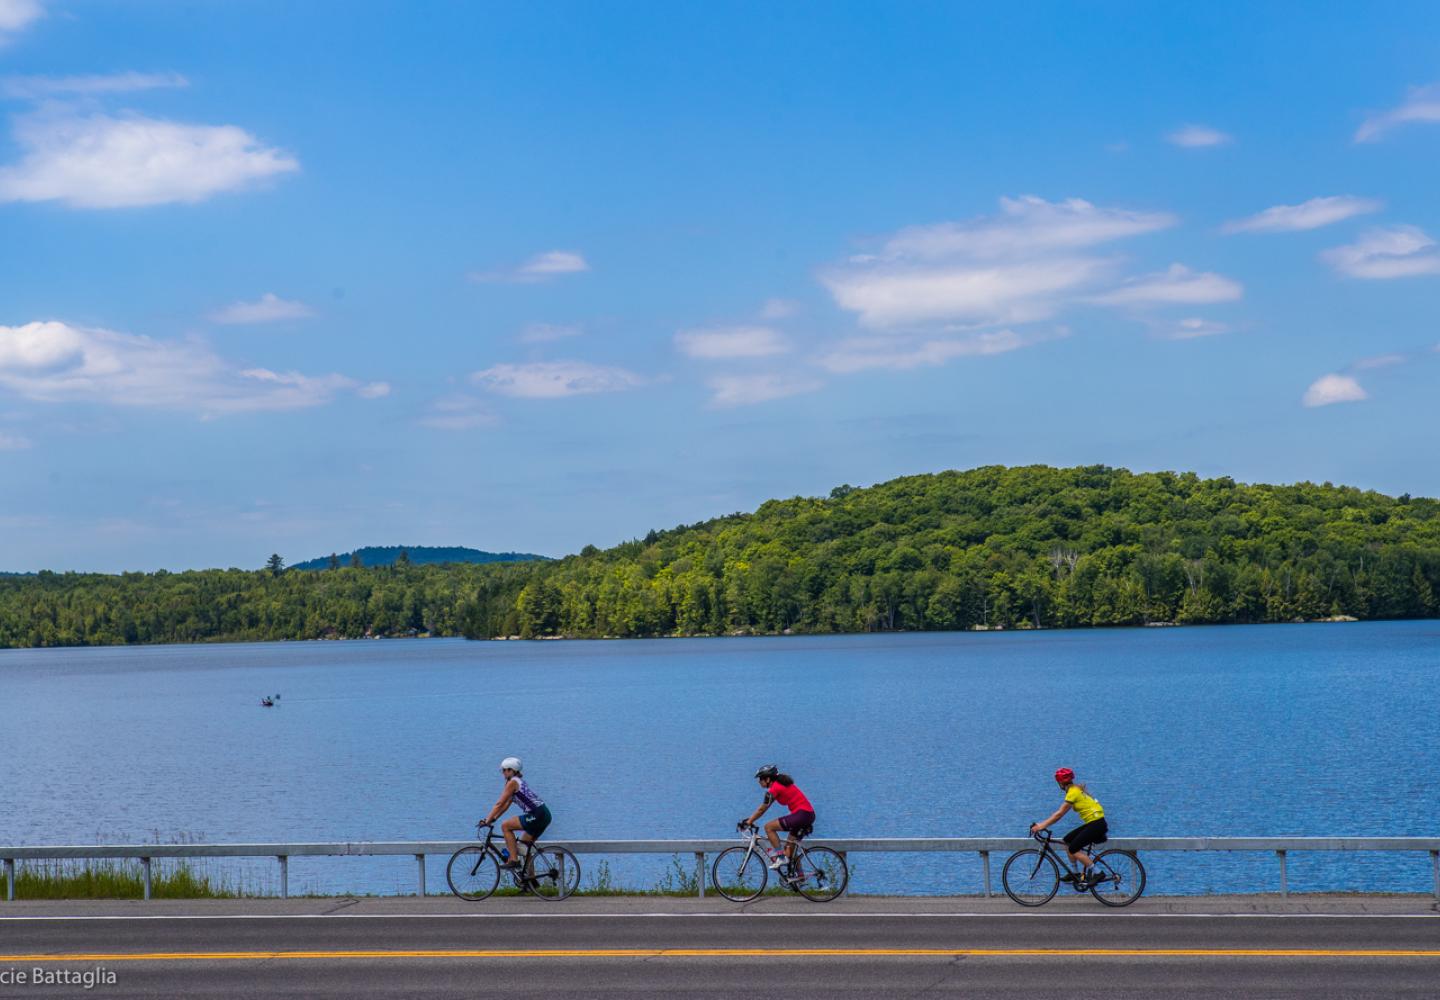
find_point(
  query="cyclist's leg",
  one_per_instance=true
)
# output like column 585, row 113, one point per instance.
column 1082, row 837
column 772, row 833
column 508, row 828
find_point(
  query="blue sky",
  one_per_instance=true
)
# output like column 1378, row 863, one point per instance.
column 303, row 277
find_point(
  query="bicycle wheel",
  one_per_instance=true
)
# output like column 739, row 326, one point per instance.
column 739, row 874
column 1124, row 878
column 552, row 872
column 473, row 873
column 821, row 874
column 1030, row 877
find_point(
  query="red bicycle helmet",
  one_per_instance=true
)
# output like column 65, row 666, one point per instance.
column 1064, row 775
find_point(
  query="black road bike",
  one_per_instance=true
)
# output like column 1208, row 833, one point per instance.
column 550, row 872
column 740, row 873
column 1032, row 877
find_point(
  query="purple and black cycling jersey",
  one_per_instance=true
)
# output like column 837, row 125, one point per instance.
column 525, row 795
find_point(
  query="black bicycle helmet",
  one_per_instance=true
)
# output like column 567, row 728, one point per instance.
column 767, row 771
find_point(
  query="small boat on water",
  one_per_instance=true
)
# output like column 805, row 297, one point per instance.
column 269, row 700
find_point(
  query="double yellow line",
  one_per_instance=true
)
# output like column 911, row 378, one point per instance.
column 255, row 956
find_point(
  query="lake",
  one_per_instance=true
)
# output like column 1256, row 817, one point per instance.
column 1320, row 729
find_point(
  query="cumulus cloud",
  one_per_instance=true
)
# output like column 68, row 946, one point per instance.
column 269, row 308
column 1310, row 214
column 459, row 413
column 16, row 16
column 1197, row 137
column 866, row 353
column 31, row 88
column 747, row 390
column 1421, row 104
column 1012, row 268
column 544, row 333
column 542, row 267
column 99, row 161
column 373, row 390
column 1176, row 286
column 55, row 362
column 1393, row 252
column 1328, row 389
column 13, row 442
column 555, row 379
column 730, row 342
column 1193, row 327
column 778, row 308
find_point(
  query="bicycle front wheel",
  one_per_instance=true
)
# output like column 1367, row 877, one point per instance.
column 820, row 874
column 552, row 872
column 473, row 873
column 739, row 874
column 1123, row 878
column 1030, row 877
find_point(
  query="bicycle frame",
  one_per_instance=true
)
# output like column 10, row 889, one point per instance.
column 488, row 847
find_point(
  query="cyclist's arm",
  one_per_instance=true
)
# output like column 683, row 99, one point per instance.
column 1064, row 808
column 761, row 811
column 502, row 803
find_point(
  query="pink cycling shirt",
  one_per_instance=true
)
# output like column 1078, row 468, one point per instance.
column 789, row 796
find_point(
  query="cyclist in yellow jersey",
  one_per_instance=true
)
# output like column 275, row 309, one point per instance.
column 1092, row 829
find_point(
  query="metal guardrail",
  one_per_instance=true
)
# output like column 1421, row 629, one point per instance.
column 1281, row 847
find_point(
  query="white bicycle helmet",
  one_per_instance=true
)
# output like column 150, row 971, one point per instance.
column 511, row 764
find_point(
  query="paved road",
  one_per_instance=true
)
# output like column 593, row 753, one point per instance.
column 654, row 948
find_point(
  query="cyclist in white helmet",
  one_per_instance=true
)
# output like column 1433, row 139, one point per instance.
column 534, row 819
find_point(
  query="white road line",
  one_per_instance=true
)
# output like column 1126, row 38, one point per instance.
column 670, row 915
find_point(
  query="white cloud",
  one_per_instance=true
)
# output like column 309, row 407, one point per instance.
column 747, row 390
column 1379, row 361
column 1394, row 252
column 459, row 413
column 39, row 87
column 544, row 333
column 269, row 308
column 779, row 308
column 1176, row 286
column 105, row 162
column 731, row 342
column 13, row 442
column 1198, row 137
column 1422, row 104
column 55, row 362
column 865, row 353
column 555, row 379
column 16, row 15
column 1193, row 327
column 542, row 267
column 1311, row 214
column 1012, row 268
column 1329, row 389
column 373, row 390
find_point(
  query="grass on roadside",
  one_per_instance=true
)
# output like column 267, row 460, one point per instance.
column 101, row 879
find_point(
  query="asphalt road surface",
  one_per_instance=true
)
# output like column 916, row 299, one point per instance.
column 690, row 948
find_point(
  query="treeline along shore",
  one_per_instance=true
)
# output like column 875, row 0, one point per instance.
column 993, row 547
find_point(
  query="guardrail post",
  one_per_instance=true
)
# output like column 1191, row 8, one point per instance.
column 10, row 879
column 985, row 863
column 284, row 860
column 700, row 874
column 145, row 864
column 1284, row 880
column 420, row 866
column 1434, row 866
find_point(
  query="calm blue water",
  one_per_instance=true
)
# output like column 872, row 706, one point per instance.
column 1267, row 730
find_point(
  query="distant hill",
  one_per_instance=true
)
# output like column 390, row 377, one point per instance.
column 419, row 555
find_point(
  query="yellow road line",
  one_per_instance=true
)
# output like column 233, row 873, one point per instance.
column 222, row 956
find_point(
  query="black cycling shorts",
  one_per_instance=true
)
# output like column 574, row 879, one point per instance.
column 1083, row 836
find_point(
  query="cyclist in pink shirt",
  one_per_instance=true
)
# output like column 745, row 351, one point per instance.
column 781, row 788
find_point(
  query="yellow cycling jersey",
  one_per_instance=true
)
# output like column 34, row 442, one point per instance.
column 1084, row 803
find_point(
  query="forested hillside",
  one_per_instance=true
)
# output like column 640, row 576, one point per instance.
column 416, row 555
column 991, row 547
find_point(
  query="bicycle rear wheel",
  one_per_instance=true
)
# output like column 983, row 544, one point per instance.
column 473, row 873
column 552, row 872
column 1124, row 878
column 1030, row 877
column 739, row 874
column 821, row 874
